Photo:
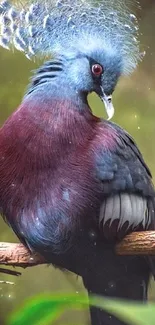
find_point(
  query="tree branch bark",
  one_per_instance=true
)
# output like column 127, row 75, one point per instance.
column 137, row 243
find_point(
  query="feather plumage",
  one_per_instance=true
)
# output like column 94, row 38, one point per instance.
column 52, row 27
column 72, row 184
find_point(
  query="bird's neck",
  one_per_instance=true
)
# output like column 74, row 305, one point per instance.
column 56, row 125
column 59, row 114
column 51, row 81
column 57, row 91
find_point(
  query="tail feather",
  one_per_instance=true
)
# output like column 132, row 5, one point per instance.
column 117, row 277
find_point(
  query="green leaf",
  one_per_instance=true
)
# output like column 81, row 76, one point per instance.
column 130, row 312
column 47, row 308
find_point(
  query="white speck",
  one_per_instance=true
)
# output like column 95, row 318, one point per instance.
column 18, row 44
column 19, row 35
column 31, row 31
column 45, row 21
column 12, row 14
column 28, row 17
column 4, row 43
column 13, row 27
column 31, row 50
column 136, row 28
column 112, row 14
column 138, row 128
column 70, row 22
column 65, row 195
column 111, row 284
column 127, row 27
column 31, row 8
column 60, row 3
column 92, row 234
column 28, row 56
column 133, row 17
column 143, row 54
column 37, row 221
column 22, row 15
column 83, row 15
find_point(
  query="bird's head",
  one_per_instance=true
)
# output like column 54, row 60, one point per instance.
column 93, row 69
column 93, row 43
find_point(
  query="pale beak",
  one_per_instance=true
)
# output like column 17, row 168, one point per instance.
column 107, row 99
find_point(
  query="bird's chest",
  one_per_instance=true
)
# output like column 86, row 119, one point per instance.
column 70, row 188
column 48, row 202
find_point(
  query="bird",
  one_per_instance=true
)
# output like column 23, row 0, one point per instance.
column 72, row 185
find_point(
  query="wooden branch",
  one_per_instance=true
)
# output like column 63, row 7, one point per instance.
column 18, row 255
column 137, row 243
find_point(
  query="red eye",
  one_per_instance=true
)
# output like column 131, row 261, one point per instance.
column 97, row 69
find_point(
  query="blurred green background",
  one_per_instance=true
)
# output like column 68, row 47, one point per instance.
column 134, row 102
